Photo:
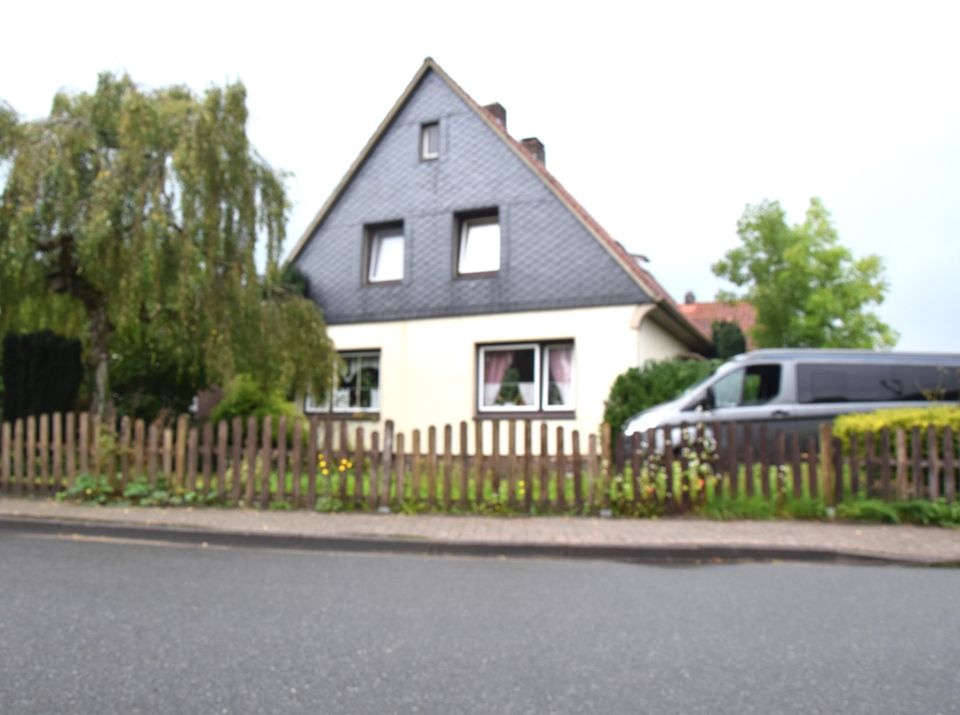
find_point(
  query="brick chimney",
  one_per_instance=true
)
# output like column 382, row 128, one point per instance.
column 689, row 298
column 499, row 114
column 535, row 149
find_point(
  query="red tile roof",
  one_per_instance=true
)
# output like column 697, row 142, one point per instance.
column 703, row 316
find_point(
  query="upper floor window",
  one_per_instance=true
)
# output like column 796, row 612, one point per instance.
column 430, row 140
column 479, row 244
column 385, row 253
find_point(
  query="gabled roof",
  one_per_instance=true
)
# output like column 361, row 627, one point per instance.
column 642, row 277
column 703, row 316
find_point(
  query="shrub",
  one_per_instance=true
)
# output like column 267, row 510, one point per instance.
column 728, row 339
column 245, row 398
column 657, row 381
column 869, row 510
column 936, row 416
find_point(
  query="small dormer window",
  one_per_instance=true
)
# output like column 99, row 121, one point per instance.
column 430, row 140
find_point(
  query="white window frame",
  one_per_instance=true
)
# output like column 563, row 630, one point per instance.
column 544, row 400
column 328, row 405
column 541, row 375
column 466, row 224
column 375, row 237
column 425, row 152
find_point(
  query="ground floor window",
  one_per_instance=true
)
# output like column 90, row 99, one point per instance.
column 525, row 377
column 356, row 385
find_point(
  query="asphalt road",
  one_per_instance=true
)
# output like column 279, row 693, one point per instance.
column 104, row 627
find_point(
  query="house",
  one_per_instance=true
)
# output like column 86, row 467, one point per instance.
column 459, row 280
column 704, row 315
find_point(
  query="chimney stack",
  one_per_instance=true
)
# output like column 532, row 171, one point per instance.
column 499, row 114
column 535, row 149
column 689, row 298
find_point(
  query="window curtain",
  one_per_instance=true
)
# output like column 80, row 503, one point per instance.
column 495, row 366
column 561, row 372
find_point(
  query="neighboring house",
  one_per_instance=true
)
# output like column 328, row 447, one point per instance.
column 459, row 280
column 704, row 315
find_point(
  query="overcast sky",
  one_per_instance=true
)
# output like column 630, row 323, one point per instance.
column 663, row 119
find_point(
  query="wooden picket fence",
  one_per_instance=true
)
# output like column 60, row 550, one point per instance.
column 513, row 465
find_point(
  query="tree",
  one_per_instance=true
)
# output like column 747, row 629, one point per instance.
column 808, row 290
column 728, row 339
column 138, row 213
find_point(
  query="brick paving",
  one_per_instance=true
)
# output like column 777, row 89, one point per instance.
column 903, row 543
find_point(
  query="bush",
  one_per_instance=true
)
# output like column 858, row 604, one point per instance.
column 245, row 398
column 938, row 417
column 728, row 339
column 657, row 381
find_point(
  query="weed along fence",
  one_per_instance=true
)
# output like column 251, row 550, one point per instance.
column 487, row 466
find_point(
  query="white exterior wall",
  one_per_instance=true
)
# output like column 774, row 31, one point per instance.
column 428, row 368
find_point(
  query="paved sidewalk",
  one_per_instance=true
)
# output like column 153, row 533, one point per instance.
column 680, row 539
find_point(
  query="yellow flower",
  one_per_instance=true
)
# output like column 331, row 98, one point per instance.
column 325, row 472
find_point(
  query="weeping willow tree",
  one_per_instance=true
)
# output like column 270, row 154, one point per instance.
column 132, row 216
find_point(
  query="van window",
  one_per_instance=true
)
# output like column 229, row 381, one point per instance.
column 754, row 385
column 876, row 383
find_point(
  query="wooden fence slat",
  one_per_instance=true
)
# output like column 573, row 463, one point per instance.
column 153, row 452
column 813, row 481
column 168, row 456
column 180, row 465
column 124, row 447
column 854, row 461
column 312, row 429
column 6, row 456
column 193, row 439
column 18, row 465
column 511, row 463
column 837, row 468
column 915, row 453
column 949, row 466
column 870, row 461
column 223, row 439
column 902, row 464
column 251, row 448
column 401, row 467
column 83, row 448
column 749, row 483
column 670, row 497
column 296, row 459
column 266, row 460
column 358, row 465
column 206, row 453
column 495, row 457
column 70, row 448
column 560, row 472
column 416, row 494
column 649, row 460
column 544, row 467
column 464, row 465
column 447, row 465
column 139, row 442
column 373, row 496
column 685, row 486
column 386, row 463
column 593, row 471
column 733, row 464
column 635, row 465
column 43, row 452
column 526, row 473
column 281, row 491
column 886, row 485
column 781, row 466
column 577, row 472
column 236, row 465
column 764, row 450
column 796, row 471
column 479, row 468
column 432, row 465
column 31, row 456
column 933, row 464
column 56, row 467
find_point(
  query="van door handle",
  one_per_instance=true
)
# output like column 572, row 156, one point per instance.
column 780, row 414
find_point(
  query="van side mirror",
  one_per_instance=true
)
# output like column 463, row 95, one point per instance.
column 709, row 399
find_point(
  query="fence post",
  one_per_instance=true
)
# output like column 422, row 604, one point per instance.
column 901, row 463
column 386, row 466
column 827, row 476
column 4, row 457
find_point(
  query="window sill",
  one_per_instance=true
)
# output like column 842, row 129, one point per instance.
column 511, row 415
column 478, row 274
column 347, row 416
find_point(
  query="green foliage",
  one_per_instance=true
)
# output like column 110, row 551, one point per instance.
column 42, row 373
column 728, row 339
column 245, row 397
column 868, row 510
column 89, row 488
column 805, row 508
column 727, row 508
column 657, row 381
column 135, row 215
column 939, row 417
column 808, row 290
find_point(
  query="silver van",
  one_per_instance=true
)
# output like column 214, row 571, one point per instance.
column 794, row 390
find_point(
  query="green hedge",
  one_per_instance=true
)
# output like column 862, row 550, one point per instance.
column 939, row 417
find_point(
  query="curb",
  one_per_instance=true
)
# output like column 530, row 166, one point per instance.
column 676, row 554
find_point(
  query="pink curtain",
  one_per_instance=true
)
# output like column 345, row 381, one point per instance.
column 495, row 366
column 561, row 372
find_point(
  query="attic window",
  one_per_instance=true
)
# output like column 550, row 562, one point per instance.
column 479, row 244
column 385, row 253
column 430, row 140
